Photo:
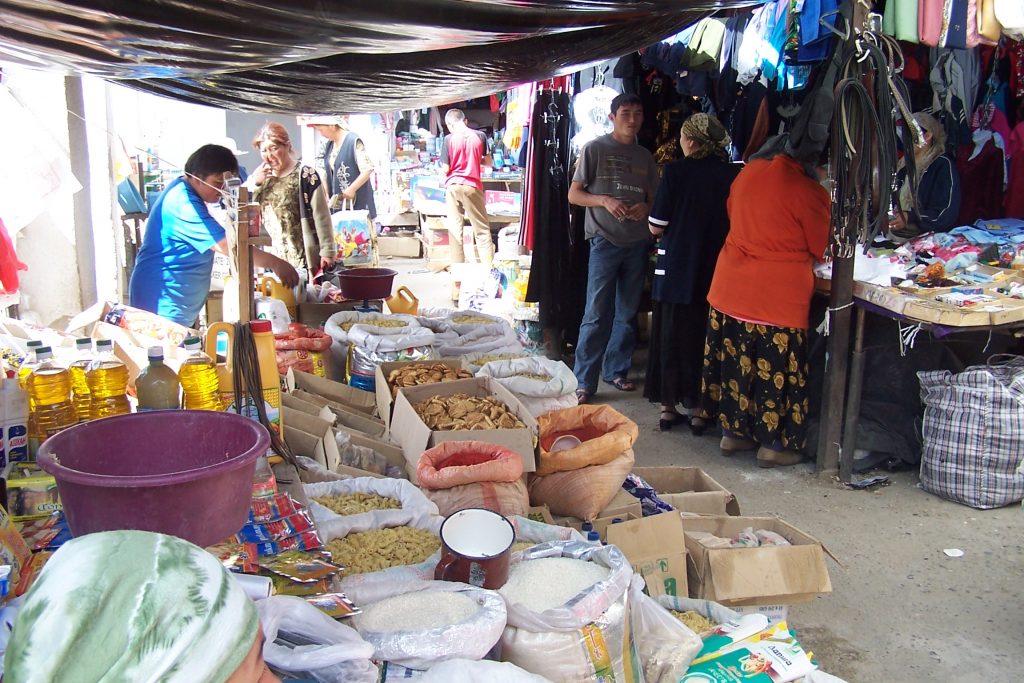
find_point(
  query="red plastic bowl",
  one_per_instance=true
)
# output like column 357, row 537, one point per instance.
column 187, row 473
column 366, row 283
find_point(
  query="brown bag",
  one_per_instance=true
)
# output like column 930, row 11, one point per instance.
column 605, row 434
column 582, row 493
column 504, row 497
column 457, row 475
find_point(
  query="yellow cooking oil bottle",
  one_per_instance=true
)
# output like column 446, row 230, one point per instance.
column 157, row 386
column 107, row 378
column 49, row 386
column 79, row 384
column 263, row 338
column 29, row 364
column 198, row 377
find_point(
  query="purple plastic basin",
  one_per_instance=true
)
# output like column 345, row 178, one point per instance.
column 187, row 473
column 366, row 283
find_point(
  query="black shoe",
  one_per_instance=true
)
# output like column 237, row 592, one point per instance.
column 665, row 423
column 698, row 425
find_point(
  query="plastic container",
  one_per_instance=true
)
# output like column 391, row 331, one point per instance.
column 29, row 363
column 15, row 423
column 157, row 386
column 272, row 288
column 198, row 377
column 403, row 301
column 79, row 383
column 49, row 387
column 184, row 473
column 263, row 337
column 107, row 377
column 366, row 283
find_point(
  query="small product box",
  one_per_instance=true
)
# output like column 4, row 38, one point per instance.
column 31, row 492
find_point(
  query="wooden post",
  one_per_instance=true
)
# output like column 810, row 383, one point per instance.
column 836, row 364
column 243, row 253
column 853, row 394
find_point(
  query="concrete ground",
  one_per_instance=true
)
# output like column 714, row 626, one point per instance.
column 900, row 610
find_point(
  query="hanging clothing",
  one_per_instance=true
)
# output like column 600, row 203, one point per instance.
column 9, row 263
column 727, row 85
column 982, row 177
column 1014, row 198
column 900, row 20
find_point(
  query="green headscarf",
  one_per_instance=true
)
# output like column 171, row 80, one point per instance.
column 131, row 606
column 710, row 135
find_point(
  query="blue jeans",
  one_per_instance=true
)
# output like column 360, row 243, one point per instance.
column 615, row 281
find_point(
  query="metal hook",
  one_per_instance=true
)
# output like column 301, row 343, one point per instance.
column 833, row 29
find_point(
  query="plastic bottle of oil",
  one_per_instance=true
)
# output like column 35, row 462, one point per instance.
column 29, row 364
column 49, row 386
column 107, row 377
column 198, row 377
column 263, row 337
column 157, row 386
column 79, row 384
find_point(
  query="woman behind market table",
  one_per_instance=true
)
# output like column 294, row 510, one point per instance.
column 938, row 186
column 690, row 217
column 135, row 606
column 755, row 356
column 293, row 201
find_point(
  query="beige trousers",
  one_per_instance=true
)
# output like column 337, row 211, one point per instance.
column 465, row 201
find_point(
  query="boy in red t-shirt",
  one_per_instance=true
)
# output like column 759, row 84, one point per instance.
column 461, row 155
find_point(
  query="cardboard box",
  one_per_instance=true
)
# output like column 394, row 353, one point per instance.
column 315, row 315
column 360, row 422
column 542, row 511
column 408, row 429
column 656, row 547
column 755, row 576
column 622, row 504
column 408, row 247
column 601, row 524
column 775, row 613
column 31, row 492
column 355, row 399
column 310, row 436
column 385, row 401
column 690, row 489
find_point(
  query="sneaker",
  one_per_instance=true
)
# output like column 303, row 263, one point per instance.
column 766, row 457
column 732, row 444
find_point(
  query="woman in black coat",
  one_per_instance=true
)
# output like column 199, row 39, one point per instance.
column 690, row 217
column 938, row 186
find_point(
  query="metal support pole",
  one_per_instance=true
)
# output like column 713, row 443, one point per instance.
column 853, row 395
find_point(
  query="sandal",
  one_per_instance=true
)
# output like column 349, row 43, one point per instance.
column 583, row 396
column 622, row 384
column 698, row 425
column 669, row 418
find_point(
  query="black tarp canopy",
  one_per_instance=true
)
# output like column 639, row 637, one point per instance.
column 333, row 56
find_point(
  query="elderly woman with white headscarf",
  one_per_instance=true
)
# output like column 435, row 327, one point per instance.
column 938, row 186
column 135, row 606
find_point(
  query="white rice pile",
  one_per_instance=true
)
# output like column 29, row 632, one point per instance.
column 420, row 611
column 550, row 582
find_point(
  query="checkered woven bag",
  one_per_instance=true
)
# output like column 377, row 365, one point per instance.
column 974, row 433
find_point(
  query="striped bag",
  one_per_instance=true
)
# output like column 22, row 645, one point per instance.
column 973, row 433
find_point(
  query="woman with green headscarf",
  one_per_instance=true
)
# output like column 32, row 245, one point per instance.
column 133, row 606
column 690, row 218
column 938, row 186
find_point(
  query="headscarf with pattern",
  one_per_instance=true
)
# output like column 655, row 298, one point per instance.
column 709, row 134
column 131, row 606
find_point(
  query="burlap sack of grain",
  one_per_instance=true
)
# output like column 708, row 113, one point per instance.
column 604, row 432
column 581, row 493
column 456, row 475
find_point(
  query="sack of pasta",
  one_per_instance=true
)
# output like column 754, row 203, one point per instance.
column 541, row 384
column 568, row 613
column 373, row 339
column 475, row 361
column 456, row 475
column 364, row 503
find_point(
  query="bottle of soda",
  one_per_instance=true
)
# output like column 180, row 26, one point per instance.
column 198, row 376
column 79, row 383
column 157, row 386
column 49, row 388
column 107, row 378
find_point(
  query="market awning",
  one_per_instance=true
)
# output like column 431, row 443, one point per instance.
column 322, row 56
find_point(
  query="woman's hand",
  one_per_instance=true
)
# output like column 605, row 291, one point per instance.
column 898, row 221
column 286, row 273
column 326, row 263
column 261, row 173
column 349, row 194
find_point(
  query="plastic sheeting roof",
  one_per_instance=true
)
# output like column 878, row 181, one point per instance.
column 324, row 56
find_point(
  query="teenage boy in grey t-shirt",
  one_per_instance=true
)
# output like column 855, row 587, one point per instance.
column 616, row 181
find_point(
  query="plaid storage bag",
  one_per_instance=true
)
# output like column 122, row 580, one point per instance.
column 973, row 433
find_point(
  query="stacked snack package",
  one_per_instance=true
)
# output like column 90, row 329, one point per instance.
column 278, row 524
column 752, row 651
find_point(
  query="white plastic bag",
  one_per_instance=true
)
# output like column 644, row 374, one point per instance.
column 665, row 645
column 496, row 338
column 539, row 396
column 469, row 639
column 468, row 671
column 476, row 360
column 331, row 525
column 311, row 472
column 373, row 586
column 333, row 325
column 720, row 614
column 586, row 636
column 390, row 339
column 528, row 530
column 463, row 328
column 335, row 652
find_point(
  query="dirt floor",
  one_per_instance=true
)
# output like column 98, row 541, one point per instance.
column 900, row 610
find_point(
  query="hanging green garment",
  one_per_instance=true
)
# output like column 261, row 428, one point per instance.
column 900, row 20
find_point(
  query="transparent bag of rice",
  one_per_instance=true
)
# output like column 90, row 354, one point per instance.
column 568, row 614
column 413, row 505
column 426, row 622
column 665, row 645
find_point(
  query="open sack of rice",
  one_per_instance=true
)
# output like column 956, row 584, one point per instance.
column 364, row 503
column 425, row 622
column 456, row 475
column 541, row 384
column 565, row 599
column 581, row 480
column 362, row 341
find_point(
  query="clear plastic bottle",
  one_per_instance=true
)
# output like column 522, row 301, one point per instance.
column 29, row 364
column 157, row 386
column 107, row 377
column 199, row 382
column 79, row 384
column 49, row 387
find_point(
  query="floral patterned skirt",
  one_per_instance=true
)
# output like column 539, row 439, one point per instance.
column 755, row 380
